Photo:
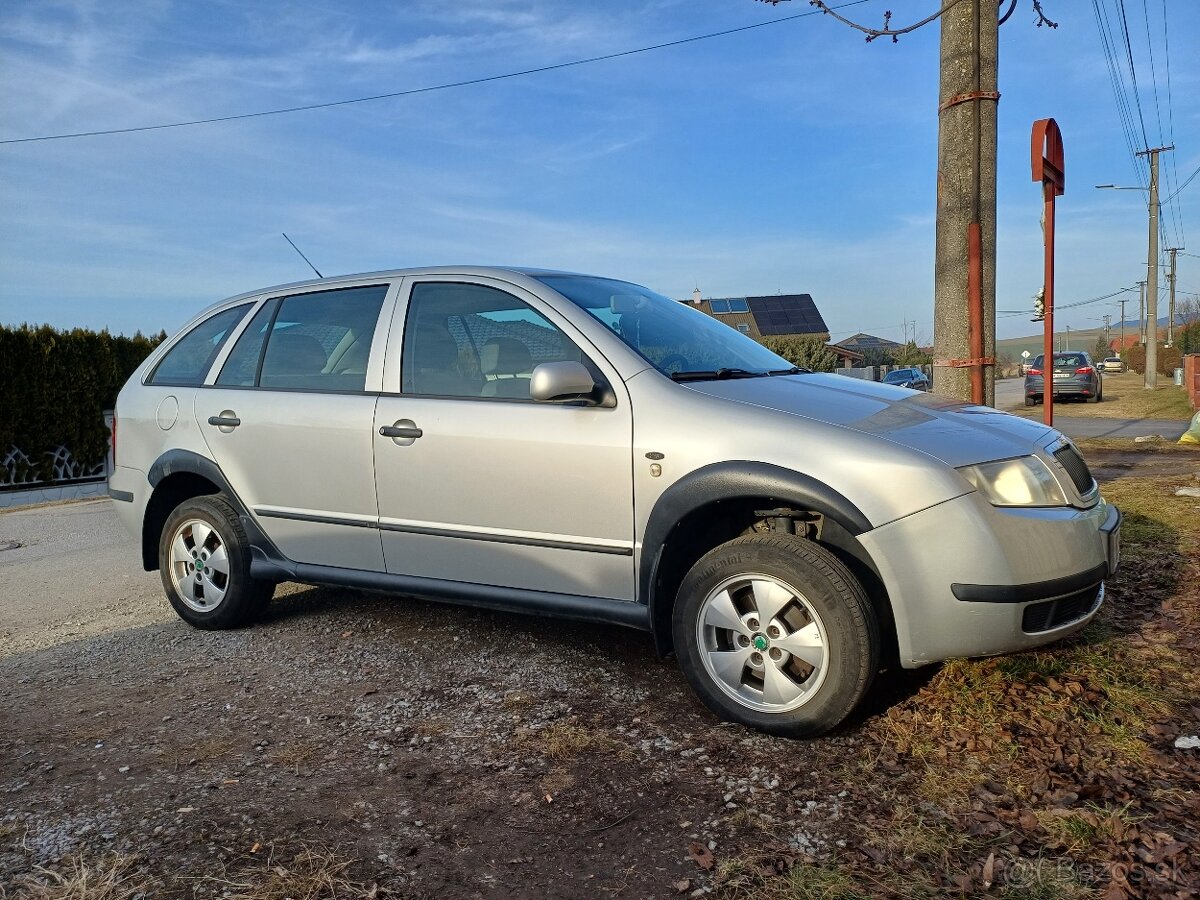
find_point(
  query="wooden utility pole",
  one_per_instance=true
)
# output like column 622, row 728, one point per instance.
column 965, row 264
column 1171, row 306
column 1152, row 272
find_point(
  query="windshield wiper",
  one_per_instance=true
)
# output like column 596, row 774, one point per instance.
column 715, row 375
column 794, row 370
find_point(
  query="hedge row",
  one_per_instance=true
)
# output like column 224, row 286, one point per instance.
column 1187, row 340
column 57, row 385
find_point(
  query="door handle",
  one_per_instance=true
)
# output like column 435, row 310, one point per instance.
column 226, row 421
column 400, row 431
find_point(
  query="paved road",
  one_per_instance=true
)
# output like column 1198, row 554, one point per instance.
column 1010, row 393
column 1010, row 397
column 76, row 574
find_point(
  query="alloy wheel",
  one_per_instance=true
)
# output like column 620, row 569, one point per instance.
column 762, row 643
column 199, row 565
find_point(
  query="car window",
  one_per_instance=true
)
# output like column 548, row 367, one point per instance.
column 189, row 360
column 469, row 340
column 311, row 342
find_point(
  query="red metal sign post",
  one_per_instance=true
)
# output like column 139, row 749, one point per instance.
column 1050, row 169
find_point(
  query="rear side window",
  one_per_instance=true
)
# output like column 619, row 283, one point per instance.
column 189, row 360
column 308, row 342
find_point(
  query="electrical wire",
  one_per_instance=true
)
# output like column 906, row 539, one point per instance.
column 1117, row 82
column 1186, row 182
column 1182, row 236
column 430, row 88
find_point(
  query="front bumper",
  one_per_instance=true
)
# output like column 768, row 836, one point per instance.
column 969, row 579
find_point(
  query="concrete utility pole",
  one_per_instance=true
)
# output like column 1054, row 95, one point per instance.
column 965, row 265
column 1142, row 312
column 1171, row 313
column 1152, row 272
column 1122, row 350
column 1107, row 331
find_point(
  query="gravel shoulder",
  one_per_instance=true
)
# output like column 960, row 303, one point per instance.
column 444, row 751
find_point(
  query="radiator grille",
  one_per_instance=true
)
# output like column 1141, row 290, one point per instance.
column 1068, row 457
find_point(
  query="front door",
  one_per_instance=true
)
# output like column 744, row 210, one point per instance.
column 479, row 483
column 289, row 417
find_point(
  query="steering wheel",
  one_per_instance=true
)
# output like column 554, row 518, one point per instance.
column 676, row 359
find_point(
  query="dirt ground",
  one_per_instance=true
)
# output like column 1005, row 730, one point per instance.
column 355, row 745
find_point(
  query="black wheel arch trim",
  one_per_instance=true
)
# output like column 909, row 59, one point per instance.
column 734, row 480
column 174, row 462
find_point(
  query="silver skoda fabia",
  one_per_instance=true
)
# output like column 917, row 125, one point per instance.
column 571, row 446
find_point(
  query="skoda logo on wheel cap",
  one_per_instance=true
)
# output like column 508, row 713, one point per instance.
column 760, row 642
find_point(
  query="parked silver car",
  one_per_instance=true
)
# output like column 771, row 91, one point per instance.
column 572, row 446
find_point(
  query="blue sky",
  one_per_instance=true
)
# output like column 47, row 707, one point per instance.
column 793, row 158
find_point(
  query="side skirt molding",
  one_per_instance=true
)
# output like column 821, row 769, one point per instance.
column 540, row 603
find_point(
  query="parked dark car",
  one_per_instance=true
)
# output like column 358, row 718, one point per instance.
column 1073, row 376
column 909, row 378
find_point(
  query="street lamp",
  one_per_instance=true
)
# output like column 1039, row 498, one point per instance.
column 1151, row 263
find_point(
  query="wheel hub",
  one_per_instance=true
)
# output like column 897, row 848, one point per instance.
column 761, row 642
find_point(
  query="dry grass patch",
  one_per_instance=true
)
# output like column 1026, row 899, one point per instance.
column 1126, row 397
column 757, row 878
column 566, row 739
column 313, row 874
column 109, row 878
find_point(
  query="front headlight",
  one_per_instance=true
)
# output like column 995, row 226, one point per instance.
column 1026, row 481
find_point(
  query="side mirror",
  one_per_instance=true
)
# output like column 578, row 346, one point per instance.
column 562, row 381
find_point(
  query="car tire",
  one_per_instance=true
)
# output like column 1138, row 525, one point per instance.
column 1030, row 401
column 800, row 672
column 204, row 561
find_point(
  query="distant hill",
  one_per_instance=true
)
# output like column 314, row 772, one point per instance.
column 1081, row 339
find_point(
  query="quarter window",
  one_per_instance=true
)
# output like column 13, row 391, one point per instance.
column 308, row 342
column 468, row 340
column 189, row 360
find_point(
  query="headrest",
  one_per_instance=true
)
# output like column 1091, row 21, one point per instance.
column 505, row 356
column 289, row 353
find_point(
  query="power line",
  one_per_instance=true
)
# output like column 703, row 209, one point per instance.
column 1116, row 78
column 1179, row 189
column 1137, row 99
column 429, row 89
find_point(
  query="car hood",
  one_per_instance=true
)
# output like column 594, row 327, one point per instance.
column 956, row 433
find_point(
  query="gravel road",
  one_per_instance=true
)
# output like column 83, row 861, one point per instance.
column 451, row 752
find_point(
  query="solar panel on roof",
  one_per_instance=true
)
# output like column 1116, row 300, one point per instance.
column 787, row 314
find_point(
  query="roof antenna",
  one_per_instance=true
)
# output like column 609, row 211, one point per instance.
column 302, row 256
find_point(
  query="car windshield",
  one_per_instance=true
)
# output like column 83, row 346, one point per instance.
column 673, row 337
column 899, row 375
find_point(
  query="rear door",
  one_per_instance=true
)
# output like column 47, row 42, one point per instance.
column 288, row 419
